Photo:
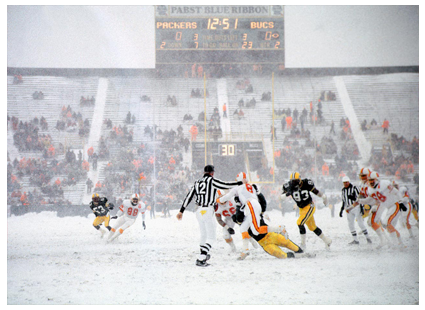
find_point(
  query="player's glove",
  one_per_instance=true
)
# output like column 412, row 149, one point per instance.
column 325, row 199
column 114, row 217
column 144, row 225
column 111, row 206
column 231, row 230
column 402, row 207
column 362, row 209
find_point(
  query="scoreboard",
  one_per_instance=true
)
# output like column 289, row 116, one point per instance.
column 219, row 34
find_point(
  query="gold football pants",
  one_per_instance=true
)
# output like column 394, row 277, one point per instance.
column 306, row 217
column 102, row 219
column 272, row 242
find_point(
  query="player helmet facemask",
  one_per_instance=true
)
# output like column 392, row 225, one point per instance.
column 96, row 199
column 134, row 199
column 364, row 173
column 295, row 181
column 241, row 177
column 373, row 179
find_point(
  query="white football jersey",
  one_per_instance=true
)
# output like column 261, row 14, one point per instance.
column 245, row 192
column 363, row 188
column 131, row 211
column 227, row 209
column 404, row 194
column 385, row 193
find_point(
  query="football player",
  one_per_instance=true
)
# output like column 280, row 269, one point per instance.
column 363, row 187
column 386, row 197
column 250, row 217
column 406, row 201
column 101, row 207
column 299, row 189
column 223, row 215
column 127, row 215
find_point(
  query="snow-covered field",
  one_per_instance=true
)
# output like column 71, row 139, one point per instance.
column 63, row 261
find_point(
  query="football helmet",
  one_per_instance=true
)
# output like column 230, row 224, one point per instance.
column 134, row 199
column 373, row 178
column 220, row 193
column 241, row 177
column 395, row 184
column 363, row 174
column 295, row 180
column 95, row 198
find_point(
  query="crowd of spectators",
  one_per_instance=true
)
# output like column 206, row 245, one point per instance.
column 47, row 178
column 70, row 121
column 87, row 101
column 161, row 172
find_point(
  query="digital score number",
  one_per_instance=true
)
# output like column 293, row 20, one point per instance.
column 227, row 149
column 244, row 40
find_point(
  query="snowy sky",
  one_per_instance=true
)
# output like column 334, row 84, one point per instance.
column 123, row 36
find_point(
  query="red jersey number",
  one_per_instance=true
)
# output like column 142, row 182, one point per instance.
column 379, row 196
column 249, row 188
column 132, row 212
column 229, row 212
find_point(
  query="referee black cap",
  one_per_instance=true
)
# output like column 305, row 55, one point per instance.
column 209, row 168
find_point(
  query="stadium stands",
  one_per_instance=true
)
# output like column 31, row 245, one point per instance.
column 388, row 96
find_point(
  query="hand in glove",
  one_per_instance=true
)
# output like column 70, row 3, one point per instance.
column 144, row 225
column 231, row 230
column 111, row 206
column 402, row 207
column 325, row 199
column 114, row 217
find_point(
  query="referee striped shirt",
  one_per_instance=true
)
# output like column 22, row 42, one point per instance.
column 204, row 191
column 349, row 195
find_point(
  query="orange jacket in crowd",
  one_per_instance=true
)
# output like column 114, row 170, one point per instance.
column 325, row 169
column 386, row 124
column 194, row 132
column 85, row 164
column 289, row 122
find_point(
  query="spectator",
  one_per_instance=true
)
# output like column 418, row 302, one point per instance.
column 94, row 160
column 193, row 132
column 385, row 125
column 224, row 110
column 90, row 152
column 89, row 184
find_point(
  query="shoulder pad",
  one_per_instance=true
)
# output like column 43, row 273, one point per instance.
column 308, row 182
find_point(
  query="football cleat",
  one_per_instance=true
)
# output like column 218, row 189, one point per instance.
column 202, row 263
column 243, row 256
column 354, row 242
column 368, row 240
column 290, row 255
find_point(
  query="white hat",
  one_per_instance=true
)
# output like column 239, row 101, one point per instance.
column 345, row 179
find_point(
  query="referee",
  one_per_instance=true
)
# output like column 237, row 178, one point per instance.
column 350, row 193
column 204, row 190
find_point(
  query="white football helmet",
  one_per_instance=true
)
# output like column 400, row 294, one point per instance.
column 241, row 177
column 395, row 184
column 363, row 174
column 373, row 178
column 134, row 199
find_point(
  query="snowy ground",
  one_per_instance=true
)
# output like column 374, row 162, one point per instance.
column 61, row 261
